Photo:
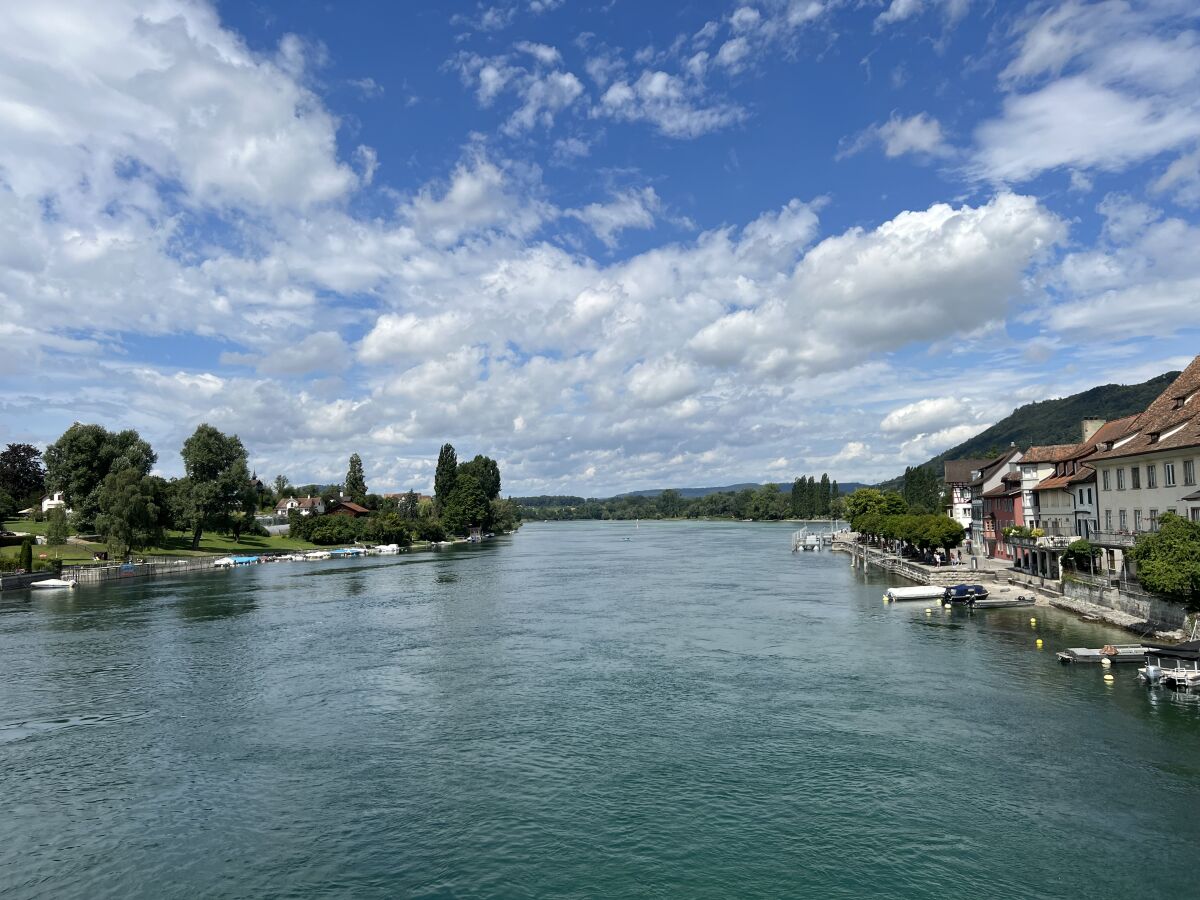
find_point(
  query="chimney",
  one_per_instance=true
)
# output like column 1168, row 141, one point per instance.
column 1091, row 425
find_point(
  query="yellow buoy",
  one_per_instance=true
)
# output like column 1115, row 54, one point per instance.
column 1106, row 662
column 1108, row 676
column 1039, row 643
column 928, row 611
column 947, row 606
column 1033, row 621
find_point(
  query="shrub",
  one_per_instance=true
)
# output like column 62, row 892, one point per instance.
column 26, row 555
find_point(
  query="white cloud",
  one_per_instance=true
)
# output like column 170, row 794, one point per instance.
column 919, row 134
column 627, row 209
column 1097, row 86
column 922, row 415
column 673, row 106
column 543, row 90
column 165, row 85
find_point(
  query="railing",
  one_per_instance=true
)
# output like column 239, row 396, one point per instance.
column 1114, row 538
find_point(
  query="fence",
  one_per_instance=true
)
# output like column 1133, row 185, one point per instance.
column 101, row 574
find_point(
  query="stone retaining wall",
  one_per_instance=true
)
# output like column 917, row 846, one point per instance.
column 1162, row 614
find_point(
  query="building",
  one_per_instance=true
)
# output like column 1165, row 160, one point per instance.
column 346, row 508
column 54, row 501
column 1066, row 498
column 1150, row 467
column 306, row 506
column 1002, row 509
column 957, row 478
column 1038, row 464
column 986, row 478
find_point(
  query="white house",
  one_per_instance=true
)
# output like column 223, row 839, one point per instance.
column 54, row 501
column 1151, row 467
column 957, row 478
column 306, row 506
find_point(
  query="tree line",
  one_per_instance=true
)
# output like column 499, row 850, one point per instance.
column 106, row 481
column 885, row 515
column 808, row 499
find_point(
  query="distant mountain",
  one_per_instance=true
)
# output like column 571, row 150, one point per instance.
column 1052, row 421
column 690, row 493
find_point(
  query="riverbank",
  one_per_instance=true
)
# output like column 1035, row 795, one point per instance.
column 1005, row 580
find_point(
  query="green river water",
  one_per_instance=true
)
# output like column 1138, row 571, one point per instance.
column 695, row 712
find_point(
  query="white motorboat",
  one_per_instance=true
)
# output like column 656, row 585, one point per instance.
column 921, row 592
column 50, row 583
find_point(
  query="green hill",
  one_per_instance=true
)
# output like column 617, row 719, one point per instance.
column 1053, row 421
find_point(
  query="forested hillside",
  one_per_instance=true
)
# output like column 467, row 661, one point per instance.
column 1052, row 421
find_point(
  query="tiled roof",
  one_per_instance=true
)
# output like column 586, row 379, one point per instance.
column 1049, row 453
column 990, row 468
column 1081, row 476
column 958, row 471
column 1171, row 422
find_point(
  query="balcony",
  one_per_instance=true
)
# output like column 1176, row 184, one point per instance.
column 1124, row 539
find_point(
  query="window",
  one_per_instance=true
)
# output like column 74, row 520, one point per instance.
column 1081, row 496
column 1108, row 520
column 1107, row 485
column 1120, row 479
column 1194, row 512
column 1137, row 520
column 1189, row 471
column 1168, row 474
column 1135, row 478
column 1151, row 476
column 1154, row 520
column 1124, row 520
column 1089, row 500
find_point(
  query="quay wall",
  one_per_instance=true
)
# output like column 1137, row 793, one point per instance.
column 862, row 556
column 19, row 582
column 1155, row 611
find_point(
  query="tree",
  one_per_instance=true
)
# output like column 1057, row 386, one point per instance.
column 486, row 472
column 218, row 478
column 410, row 505
column 444, row 476
column 281, row 485
column 22, row 475
column 26, row 555
column 356, row 484
column 466, row 506
column 670, row 503
column 8, row 506
column 79, row 461
column 866, row 501
column 134, row 511
column 824, row 497
column 56, row 527
column 1168, row 561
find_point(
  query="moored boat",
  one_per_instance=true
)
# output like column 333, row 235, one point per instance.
column 1176, row 665
column 1002, row 602
column 49, row 583
column 921, row 592
column 966, row 593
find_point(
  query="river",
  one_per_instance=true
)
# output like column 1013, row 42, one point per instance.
column 580, row 710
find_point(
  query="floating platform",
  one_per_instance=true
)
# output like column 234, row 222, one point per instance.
column 1120, row 653
column 1002, row 602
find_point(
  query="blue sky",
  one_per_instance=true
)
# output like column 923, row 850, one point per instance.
column 614, row 245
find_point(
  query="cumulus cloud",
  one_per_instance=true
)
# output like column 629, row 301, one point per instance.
column 627, row 209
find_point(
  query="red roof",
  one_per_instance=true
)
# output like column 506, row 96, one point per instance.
column 1171, row 422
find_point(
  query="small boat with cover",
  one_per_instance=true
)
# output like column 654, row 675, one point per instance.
column 920, row 592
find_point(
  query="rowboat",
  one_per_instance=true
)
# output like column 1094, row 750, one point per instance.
column 922, row 592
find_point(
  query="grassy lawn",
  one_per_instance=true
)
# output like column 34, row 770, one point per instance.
column 68, row 553
column 174, row 545
column 212, row 542
column 25, row 526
